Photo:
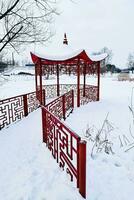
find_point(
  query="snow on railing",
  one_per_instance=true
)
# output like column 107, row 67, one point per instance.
column 15, row 108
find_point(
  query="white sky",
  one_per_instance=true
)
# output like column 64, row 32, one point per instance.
column 94, row 24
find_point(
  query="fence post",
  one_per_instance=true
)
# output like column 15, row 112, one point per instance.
column 78, row 145
column 25, row 105
column 43, row 97
column 44, row 125
column 82, row 168
column 64, row 108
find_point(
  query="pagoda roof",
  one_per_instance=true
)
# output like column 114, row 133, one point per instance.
column 65, row 55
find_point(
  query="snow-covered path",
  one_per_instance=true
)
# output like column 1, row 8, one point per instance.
column 27, row 169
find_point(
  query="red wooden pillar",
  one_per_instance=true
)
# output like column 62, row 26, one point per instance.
column 98, row 84
column 44, row 125
column 78, row 84
column 40, row 75
column 36, row 78
column 58, row 84
column 82, row 168
column 37, row 72
column 84, row 76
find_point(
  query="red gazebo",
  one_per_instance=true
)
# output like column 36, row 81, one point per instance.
column 80, row 62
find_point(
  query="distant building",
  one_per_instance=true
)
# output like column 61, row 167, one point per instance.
column 124, row 76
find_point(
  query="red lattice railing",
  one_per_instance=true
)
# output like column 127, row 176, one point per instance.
column 89, row 95
column 66, row 147
column 62, row 106
column 51, row 90
column 15, row 108
column 91, row 91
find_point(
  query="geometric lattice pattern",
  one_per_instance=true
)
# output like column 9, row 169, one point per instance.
column 90, row 91
column 69, row 103
column 62, row 106
column 90, row 94
column 32, row 102
column 56, row 107
column 13, row 109
column 63, row 143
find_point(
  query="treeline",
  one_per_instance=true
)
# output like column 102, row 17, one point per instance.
column 110, row 68
column 3, row 65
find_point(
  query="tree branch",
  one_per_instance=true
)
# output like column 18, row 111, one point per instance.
column 10, row 39
column 9, row 10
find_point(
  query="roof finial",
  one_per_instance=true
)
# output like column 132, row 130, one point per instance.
column 65, row 41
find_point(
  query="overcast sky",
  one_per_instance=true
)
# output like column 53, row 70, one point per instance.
column 93, row 24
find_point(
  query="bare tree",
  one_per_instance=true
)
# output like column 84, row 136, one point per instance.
column 110, row 54
column 107, row 60
column 130, row 63
column 108, row 51
column 25, row 22
column 2, row 56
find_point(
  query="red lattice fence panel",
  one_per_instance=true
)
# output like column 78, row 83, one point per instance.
column 66, row 148
column 90, row 94
column 68, row 102
column 62, row 106
column 15, row 108
column 32, row 102
column 11, row 109
column 51, row 90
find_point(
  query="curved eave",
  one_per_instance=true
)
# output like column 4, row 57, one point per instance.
column 99, row 57
column 57, row 60
column 68, row 59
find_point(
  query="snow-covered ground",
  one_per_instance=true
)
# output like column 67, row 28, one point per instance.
column 12, row 84
column 109, row 176
column 27, row 169
column 29, row 172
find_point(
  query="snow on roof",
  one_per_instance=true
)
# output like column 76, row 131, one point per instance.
column 65, row 52
column 98, row 57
